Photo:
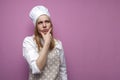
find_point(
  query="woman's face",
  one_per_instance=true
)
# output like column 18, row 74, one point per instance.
column 43, row 24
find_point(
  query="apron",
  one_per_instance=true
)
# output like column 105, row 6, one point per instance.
column 51, row 69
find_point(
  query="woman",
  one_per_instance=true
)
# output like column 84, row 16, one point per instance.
column 42, row 51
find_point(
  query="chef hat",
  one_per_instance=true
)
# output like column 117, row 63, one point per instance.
column 38, row 11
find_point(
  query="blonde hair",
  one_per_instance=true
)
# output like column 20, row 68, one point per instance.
column 38, row 38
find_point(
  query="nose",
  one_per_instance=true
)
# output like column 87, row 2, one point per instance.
column 44, row 25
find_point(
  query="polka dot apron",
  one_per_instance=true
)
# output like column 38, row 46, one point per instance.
column 51, row 69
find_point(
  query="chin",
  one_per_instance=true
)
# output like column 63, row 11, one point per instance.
column 45, row 32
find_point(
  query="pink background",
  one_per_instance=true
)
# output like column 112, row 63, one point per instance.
column 89, row 30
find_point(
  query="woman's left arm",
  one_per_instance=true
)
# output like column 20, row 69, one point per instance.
column 63, row 70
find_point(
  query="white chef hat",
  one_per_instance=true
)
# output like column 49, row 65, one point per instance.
column 38, row 11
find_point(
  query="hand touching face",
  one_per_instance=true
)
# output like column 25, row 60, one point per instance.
column 47, row 37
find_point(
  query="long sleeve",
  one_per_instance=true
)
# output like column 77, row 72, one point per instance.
column 63, row 70
column 30, row 54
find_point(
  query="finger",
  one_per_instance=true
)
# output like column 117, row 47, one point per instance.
column 42, row 33
column 50, row 35
column 49, row 30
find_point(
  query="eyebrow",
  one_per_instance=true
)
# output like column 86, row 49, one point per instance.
column 43, row 21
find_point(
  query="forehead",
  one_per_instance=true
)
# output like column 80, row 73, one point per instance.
column 43, row 18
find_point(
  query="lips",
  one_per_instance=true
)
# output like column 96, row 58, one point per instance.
column 45, row 30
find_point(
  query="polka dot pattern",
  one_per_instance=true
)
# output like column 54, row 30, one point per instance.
column 51, row 69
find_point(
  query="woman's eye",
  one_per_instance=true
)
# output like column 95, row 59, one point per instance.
column 40, row 22
column 47, row 21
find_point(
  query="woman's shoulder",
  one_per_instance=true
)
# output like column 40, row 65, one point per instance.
column 29, row 38
column 58, row 44
column 57, row 41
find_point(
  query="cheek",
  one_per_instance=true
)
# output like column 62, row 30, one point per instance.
column 49, row 25
column 39, row 28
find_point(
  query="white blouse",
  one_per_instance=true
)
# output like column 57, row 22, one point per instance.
column 30, row 52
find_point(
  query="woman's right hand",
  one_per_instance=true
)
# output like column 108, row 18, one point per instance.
column 47, row 37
